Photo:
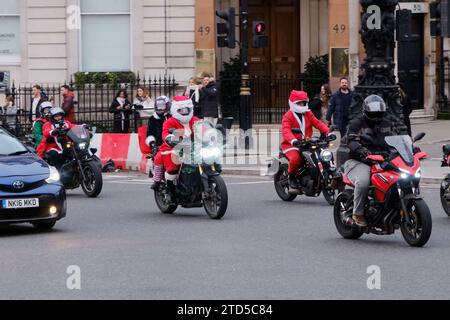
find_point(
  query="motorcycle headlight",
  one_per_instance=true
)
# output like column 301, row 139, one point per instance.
column 418, row 174
column 53, row 176
column 326, row 155
column 210, row 155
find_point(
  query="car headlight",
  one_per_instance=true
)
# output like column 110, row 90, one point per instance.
column 54, row 176
column 326, row 155
column 82, row 146
column 210, row 155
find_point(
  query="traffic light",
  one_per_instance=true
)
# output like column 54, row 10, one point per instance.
column 440, row 18
column 260, row 39
column 226, row 32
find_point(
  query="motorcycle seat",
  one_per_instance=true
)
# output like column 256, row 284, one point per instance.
column 347, row 181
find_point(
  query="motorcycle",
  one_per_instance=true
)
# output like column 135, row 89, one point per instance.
column 445, row 185
column 80, row 166
column 318, row 174
column 394, row 197
column 199, row 183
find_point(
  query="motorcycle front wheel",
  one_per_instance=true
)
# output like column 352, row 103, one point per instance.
column 92, row 185
column 343, row 212
column 445, row 195
column 418, row 232
column 281, row 182
column 161, row 202
column 216, row 202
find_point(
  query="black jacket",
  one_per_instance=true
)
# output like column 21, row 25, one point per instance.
column 316, row 107
column 339, row 109
column 121, row 117
column 155, row 128
column 358, row 127
column 209, row 101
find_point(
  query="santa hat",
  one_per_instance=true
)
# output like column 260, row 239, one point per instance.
column 296, row 97
column 180, row 98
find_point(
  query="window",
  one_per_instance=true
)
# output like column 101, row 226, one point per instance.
column 105, row 35
column 10, row 32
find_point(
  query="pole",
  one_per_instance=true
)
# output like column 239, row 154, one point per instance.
column 245, row 107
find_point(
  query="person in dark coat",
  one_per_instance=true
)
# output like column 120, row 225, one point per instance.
column 407, row 107
column 339, row 108
column 68, row 104
column 210, row 100
column 121, row 108
column 319, row 104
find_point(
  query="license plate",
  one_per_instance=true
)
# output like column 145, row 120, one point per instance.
column 20, row 203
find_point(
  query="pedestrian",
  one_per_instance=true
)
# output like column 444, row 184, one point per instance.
column 210, row 100
column 10, row 115
column 319, row 104
column 193, row 93
column 339, row 107
column 405, row 101
column 143, row 103
column 37, row 99
column 68, row 104
column 121, row 108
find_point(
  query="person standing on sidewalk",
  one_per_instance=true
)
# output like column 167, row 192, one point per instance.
column 339, row 108
column 407, row 107
column 193, row 93
column 210, row 100
column 319, row 104
column 37, row 99
column 68, row 104
column 121, row 108
column 10, row 115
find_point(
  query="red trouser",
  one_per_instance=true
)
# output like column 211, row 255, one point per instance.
column 295, row 161
column 166, row 161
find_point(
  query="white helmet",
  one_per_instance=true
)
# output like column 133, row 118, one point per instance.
column 182, row 109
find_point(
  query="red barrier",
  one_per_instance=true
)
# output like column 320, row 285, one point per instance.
column 115, row 146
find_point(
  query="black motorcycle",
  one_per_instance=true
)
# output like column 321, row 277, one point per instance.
column 318, row 174
column 199, row 183
column 445, row 185
column 79, row 164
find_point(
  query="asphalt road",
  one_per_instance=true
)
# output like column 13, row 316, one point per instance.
column 263, row 249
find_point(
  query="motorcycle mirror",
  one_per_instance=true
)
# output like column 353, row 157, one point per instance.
column 332, row 137
column 296, row 131
column 419, row 136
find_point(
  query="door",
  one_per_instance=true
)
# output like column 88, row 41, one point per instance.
column 276, row 67
column 411, row 62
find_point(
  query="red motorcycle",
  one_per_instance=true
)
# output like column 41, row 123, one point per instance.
column 394, row 198
column 445, row 186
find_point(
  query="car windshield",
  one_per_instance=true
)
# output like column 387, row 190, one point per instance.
column 10, row 146
column 403, row 145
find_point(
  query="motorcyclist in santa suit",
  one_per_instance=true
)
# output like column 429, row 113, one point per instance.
column 373, row 122
column 50, row 146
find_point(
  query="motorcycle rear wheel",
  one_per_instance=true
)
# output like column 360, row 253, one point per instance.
column 445, row 195
column 93, row 184
column 418, row 234
column 342, row 212
column 281, row 182
column 216, row 208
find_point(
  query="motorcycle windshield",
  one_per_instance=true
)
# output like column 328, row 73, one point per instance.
column 403, row 145
column 79, row 134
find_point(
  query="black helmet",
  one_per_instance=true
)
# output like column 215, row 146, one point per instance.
column 45, row 106
column 57, row 112
column 374, row 108
column 162, row 106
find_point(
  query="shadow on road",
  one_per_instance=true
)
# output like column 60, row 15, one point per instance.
column 8, row 231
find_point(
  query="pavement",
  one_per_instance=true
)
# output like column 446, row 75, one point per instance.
column 263, row 249
column 267, row 143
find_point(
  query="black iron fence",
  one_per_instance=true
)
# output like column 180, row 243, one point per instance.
column 92, row 101
column 270, row 96
column 443, row 101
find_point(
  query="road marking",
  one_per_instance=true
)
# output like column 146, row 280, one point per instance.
column 149, row 182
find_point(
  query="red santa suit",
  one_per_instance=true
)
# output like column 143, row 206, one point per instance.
column 299, row 117
column 49, row 131
column 184, row 126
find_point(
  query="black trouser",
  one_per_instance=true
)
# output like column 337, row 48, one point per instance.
column 55, row 159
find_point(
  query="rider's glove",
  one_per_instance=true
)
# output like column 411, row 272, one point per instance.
column 363, row 153
column 297, row 143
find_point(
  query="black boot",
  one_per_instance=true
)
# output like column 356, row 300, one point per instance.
column 170, row 191
column 155, row 185
column 293, row 182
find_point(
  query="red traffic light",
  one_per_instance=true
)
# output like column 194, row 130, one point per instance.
column 259, row 27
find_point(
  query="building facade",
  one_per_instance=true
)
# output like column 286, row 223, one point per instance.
column 47, row 41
